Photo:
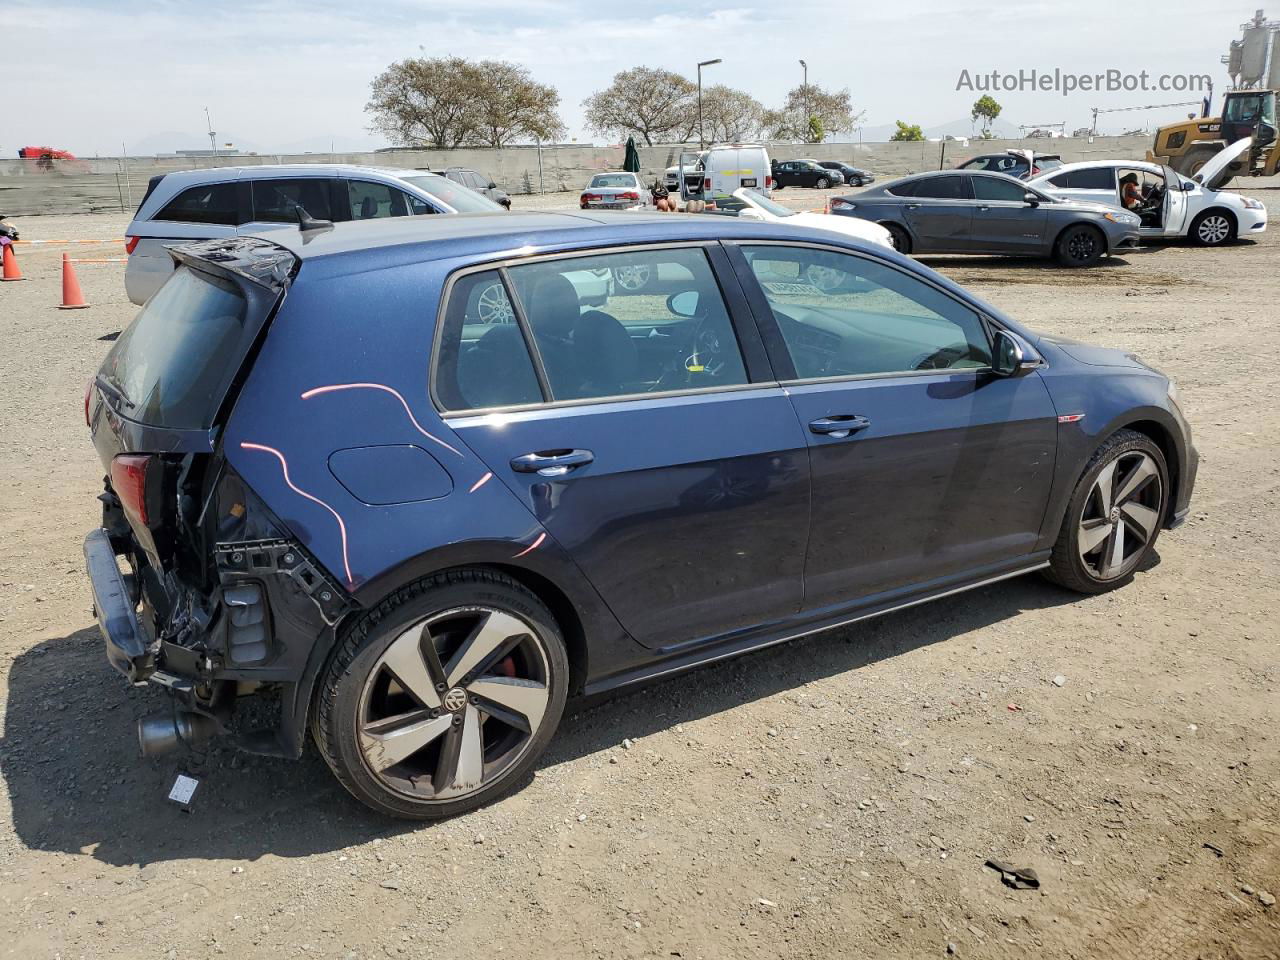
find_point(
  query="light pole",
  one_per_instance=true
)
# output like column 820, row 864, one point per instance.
column 213, row 141
column 805, row 88
column 705, row 63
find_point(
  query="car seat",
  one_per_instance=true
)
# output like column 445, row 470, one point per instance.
column 368, row 208
column 604, row 353
column 496, row 371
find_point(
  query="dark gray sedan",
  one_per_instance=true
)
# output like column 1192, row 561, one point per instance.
column 963, row 211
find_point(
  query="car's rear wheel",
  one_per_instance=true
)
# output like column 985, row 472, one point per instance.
column 1213, row 228
column 1114, row 516
column 443, row 697
column 1080, row 246
column 901, row 239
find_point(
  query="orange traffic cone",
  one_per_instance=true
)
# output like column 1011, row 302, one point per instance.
column 72, row 298
column 11, row 271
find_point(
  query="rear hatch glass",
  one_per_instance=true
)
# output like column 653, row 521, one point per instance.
column 169, row 366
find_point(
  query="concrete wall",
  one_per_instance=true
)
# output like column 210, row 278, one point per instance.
column 116, row 184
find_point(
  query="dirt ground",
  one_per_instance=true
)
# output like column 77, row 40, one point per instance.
column 833, row 797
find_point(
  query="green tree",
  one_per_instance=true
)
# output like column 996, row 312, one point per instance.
column 446, row 102
column 833, row 110
column 729, row 115
column 985, row 109
column 649, row 102
column 909, row 132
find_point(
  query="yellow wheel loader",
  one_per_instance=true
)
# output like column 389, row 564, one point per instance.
column 1189, row 145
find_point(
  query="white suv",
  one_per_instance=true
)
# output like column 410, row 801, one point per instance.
column 226, row 201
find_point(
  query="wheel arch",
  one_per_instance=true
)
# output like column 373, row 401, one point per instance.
column 1057, row 237
column 1162, row 437
column 1225, row 211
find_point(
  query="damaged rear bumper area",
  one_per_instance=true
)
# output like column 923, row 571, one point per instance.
column 265, row 629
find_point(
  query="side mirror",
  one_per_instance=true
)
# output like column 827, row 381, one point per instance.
column 492, row 185
column 684, row 304
column 1188, row 186
column 1011, row 356
column 1031, row 199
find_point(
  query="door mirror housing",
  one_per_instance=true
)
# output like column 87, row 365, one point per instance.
column 1031, row 199
column 684, row 304
column 1011, row 356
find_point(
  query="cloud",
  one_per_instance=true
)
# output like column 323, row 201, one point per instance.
column 92, row 75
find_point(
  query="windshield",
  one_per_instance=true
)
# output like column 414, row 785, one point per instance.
column 1250, row 108
column 613, row 180
column 757, row 199
column 458, row 197
column 169, row 364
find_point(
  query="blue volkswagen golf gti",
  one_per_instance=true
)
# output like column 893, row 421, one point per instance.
column 419, row 482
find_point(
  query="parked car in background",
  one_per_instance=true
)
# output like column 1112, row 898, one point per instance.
column 616, row 191
column 1014, row 163
column 732, row 166
column 853, row 176
column 804, row 173
column 753, row 205
column 962, row 211
column 692, row 175
column 1173, row 205
column 227, row 201
column 481, row 183
column 414, row 535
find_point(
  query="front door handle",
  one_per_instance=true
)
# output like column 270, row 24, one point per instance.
column 551, row 463
column 838, row 427
column 913, row 206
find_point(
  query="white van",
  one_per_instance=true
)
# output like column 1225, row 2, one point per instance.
column 732, row 166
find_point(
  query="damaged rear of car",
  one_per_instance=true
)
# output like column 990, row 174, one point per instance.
column 196, row 585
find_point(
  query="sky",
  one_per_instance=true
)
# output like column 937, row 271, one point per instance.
column 293, row 75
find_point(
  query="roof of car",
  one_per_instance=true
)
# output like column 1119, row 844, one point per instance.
column 480, row 234
column 1085, row 164
column 294, row 169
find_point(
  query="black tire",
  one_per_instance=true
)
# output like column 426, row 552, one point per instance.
column 1213, row 228
column 901, row 239
column 342, row 701
column 1080, row 245
column 822, row 183
column 1067, row 565
column 852, row 180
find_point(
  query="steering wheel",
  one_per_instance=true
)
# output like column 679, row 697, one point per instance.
column 942, row 358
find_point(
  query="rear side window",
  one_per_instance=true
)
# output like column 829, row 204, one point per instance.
column 373, row 201
column 483, row 360
column 276, row 201
column 997, row 188
column 210, row 203
column 942, row 188
column 1099, row 178
column 907, row 189
column 169, row 363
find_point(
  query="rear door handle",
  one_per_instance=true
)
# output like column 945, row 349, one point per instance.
column 551, row 463
column 838, row 427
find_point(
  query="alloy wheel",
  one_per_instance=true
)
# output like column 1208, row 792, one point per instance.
column 1121, row 515
column 493, row 305
column 1082, row 245
column 634, row 277
column 1213, row 229
column 453, row 703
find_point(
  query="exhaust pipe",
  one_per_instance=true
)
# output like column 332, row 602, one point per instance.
column 161, row 733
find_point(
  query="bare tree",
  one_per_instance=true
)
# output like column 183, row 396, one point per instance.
column 649, row 102
column 833, row 111
column 446, row 102
column 511, row 106
column 421, row 102
column 729, row 114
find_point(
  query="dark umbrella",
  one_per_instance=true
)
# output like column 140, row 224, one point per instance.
column 632, row 161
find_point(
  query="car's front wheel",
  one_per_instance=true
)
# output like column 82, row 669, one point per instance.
column 822, row 183
column 1213, row 228
column 1080, row 246
column 443, row 697
column 1114, row 516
